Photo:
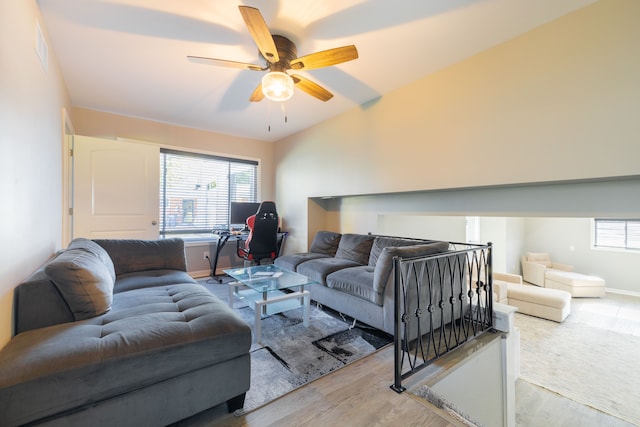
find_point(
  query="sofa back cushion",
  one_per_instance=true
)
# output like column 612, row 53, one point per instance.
column 83, row 281
column 382, row 242
column 384, row 266
column 539, row 258
column 325, row 242
column 131, row 255
column 355, row 247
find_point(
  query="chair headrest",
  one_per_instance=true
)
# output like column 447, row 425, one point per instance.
column 267, row 207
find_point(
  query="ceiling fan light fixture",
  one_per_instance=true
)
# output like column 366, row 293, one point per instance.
column 277, row 86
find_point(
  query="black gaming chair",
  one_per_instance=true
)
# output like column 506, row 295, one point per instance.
column 262, row 242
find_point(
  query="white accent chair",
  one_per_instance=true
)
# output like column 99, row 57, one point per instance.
column 536, row 265
column 538, row 269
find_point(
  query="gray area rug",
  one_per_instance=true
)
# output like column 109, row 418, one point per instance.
column 596, row 367
column 291, row 355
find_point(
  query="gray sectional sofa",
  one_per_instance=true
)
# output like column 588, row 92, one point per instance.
column 354, row 272
column 115, row 332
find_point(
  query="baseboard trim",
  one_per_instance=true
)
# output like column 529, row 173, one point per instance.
column 623, row 292
column 200, row 274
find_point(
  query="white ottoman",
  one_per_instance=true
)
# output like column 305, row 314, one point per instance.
column 578, row 285
column 549, row 304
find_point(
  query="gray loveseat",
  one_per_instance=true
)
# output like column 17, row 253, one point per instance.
column 115, row 332
column 354, row 272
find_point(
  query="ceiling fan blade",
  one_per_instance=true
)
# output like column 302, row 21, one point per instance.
column 225, row 63
column 325, row 58
column 257, row 94
column 260, row 32
column 311, row 88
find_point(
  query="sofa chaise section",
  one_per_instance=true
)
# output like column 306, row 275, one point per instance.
column 157, row 355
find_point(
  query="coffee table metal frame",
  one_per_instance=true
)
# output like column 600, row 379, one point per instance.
column 264, row 291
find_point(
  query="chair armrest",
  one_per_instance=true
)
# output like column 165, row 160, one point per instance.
column 563, row 267
column 499, row 291
column 507, row 277
column 533, row 272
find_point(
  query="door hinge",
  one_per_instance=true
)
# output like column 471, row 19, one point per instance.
column 70, row 211
column 70, row 152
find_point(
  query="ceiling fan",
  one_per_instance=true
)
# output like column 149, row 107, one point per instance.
column 281, row 56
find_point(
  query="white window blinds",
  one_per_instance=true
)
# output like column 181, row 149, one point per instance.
column 617, row 233
column 196, row 190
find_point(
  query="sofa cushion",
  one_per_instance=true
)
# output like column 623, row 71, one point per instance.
column 382, row 242
column 356, row 281
column 129, row 255
column 355, row 247
column 134, row 345
column 97, row 250
column 325, row 242
column 84, row 282
column 291, row 262
column 318, row 269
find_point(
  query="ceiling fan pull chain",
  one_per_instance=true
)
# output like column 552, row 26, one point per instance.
column 284, row 109
column 269, row 115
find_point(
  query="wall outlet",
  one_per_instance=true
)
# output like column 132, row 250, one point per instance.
column 205, row 255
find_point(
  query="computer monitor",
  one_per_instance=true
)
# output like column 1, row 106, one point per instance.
column 240, row 211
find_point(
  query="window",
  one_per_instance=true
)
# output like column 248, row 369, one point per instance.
column 196, row 190
column 617, row 233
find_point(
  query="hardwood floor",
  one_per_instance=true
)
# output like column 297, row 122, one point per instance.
column 356, row 395
column 359, row 394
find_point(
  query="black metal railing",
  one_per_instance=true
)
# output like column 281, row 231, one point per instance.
column 441, row 302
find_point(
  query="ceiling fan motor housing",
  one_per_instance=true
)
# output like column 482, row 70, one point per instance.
column 287, row 52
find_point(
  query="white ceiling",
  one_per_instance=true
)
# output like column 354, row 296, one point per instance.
column 129, row 56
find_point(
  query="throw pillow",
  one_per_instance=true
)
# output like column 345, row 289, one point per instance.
column 355, row 247
column 83, row 281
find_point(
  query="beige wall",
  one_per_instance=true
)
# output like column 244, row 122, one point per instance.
column 558, row 103
column 105, row 125
column 31, row 103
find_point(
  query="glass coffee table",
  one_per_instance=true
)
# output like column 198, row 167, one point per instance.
column 269, row 289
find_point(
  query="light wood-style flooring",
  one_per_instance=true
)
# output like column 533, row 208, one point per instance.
column 356, row 395
column 359, row 394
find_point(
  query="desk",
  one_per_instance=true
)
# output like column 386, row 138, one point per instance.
column 222, row 239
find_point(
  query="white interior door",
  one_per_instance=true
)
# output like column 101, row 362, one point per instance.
column 115, row 189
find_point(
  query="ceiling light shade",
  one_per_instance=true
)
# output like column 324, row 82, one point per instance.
column 277, row 86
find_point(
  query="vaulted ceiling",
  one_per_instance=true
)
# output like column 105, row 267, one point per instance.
column 129, row 57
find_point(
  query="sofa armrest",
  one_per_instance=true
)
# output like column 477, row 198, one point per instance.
column 563, row 267
column 507, row 277
column 533, row 272
column 131, row 255
column 37, row 303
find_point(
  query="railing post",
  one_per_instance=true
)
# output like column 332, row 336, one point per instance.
column 397, row 338
column 490, row 291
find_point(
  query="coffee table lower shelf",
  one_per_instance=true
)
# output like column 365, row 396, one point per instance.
column 271, row 302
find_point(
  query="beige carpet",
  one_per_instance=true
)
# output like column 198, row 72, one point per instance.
column 593, row 366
